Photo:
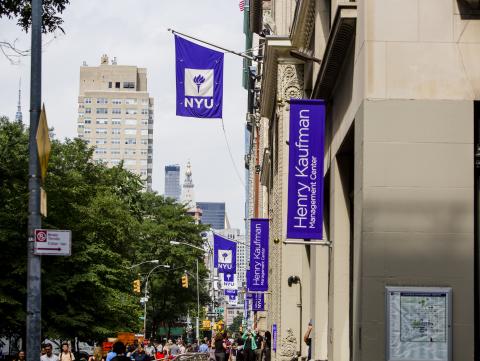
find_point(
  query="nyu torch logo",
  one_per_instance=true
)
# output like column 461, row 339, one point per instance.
column 199, row 88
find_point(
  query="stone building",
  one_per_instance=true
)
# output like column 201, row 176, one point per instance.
column 400, row 79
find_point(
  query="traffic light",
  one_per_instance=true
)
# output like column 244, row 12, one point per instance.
column 185, row 281
column 136, row 286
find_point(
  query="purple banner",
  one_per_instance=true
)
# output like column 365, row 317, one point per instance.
column 245, row 309
column 231, row 293
column 258, row 302
column 274, row 337
column 199, row 73
column 225, row 254
column 258, row 274
column 305, row 169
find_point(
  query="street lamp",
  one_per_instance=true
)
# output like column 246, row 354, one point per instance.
column 146, row 297
column 197, row 321
column 155, row 261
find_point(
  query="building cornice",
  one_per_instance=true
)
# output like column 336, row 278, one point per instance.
column 303, row 24
column 339, row 42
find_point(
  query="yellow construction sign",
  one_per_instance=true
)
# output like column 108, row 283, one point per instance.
column 44, row 145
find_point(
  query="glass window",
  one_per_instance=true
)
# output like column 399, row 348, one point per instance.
column 116, row 101
column 144, row 111
column 100, row 151
column 88, row 100
column 102, row 121
column 130, row 131
column 130, row 141
column 116, row 121
column 116, row 111
column 81, row 136
column 144, row 122
column 115, row 161
column 115, row 152
column 145, row 101
column 88, row 121
column 117, row 85
column 101, row 131
column 144, row 131
column 130, row 121
column 101, row 141
column 102, row 111
column 115, row 130
column 88, row 130
column 143, row 172
column 129, row 152
column 144, row 141
column 102, row 101
column 88, row 110
column 129, row 84
column 115, row 141
column 110, row 84
column 81, row 126
column 131, row 111
column 130, row 101
column 144, row 152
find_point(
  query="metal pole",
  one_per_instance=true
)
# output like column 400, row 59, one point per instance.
column 198, row 308
column 34, row 263
column 145, row 310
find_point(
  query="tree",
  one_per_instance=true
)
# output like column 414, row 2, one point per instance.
column 236, row 324
column 114, row 224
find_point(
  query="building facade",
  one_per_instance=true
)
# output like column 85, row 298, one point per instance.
column 172, row 182
column 115, row 115
column 400, row 80
column 213, row 214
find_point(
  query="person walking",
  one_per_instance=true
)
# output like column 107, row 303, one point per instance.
column 249, row 345
column 120, row 350
column 20, row 356
column 140, row 355
column 66, row 354
column 203, row 347
column 220, row 347
column 259, row 341
column 49, row 356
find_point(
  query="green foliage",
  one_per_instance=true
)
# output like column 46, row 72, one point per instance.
column 236, row 324
column 114, row 224
column 22, row 11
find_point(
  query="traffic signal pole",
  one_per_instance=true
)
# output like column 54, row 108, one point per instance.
column 197, row 326
column 34, row 262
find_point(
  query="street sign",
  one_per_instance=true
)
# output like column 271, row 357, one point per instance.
column 51, row 242
column 219, row 310
column 43, row 143
column 43, row 202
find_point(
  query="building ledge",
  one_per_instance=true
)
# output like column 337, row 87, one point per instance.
column 339, row 42
column 303, row 24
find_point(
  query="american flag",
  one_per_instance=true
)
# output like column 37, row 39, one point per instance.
column 241, row 5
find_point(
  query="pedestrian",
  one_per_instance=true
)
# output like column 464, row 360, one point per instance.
column 259, row 341
column 203, row 347
column 97, row 355
column 239, row 345
column 249, row 345
column 268, row 346
column 140, row 355
column 49, row 356
column 181, row 346
column 150, row 350
column 220, row 347
column 120, row 350
column 111, row 354
column 228, row 345
column 66, row 354
column 20, row 356
column 174, row 349
column 308, row 340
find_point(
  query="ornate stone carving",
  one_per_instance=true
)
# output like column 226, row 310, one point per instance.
column 290, row 84
column 288, row 348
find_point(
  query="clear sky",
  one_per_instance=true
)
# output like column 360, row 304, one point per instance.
column 135, row 31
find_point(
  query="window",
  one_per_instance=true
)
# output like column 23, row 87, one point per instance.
column 145, row 101
column 115, row 141
column 144, row 152
column 81, row 106
column 116, row 111
column 115, row 161
column 130, row 162
column 129, row 84
column 144, row 141
column 81, row 136
column 131, row 111
column 88, row 100
column 130, row 141
column 144, row 131
column 81, row 126
column 88, row 110
column 102, row 111
column 102, row 121
column 143, row 162
column 143, row 172
column 102, row 101
column 130, row 121
column 88, row 130
column 144, row 121
column 145, row 111
column 117, row 85
column 100, row 151
column 117, row 101
column 116, row 131
column 129, row 152
column 101, row 141
column 88, row 121
column 130, row 101
column 130, row 131
column 116, row 121
column 115, row 152
column 101, row 131
column 110, row 84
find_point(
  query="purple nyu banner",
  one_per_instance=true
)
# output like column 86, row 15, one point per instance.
column 258, row 273
column 258, row 302
column 305, row 169
column 199, row 80
column 225, row 254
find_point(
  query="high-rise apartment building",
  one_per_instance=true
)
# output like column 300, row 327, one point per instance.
column 213, row 214
column 172, row 182
column 115, row 114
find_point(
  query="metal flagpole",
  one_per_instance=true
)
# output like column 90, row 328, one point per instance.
column 34, row 295
column 198, row 309
column 215, row 46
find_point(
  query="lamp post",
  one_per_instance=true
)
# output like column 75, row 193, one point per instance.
column 155, row 261
column 146, row 295
column 197, row 321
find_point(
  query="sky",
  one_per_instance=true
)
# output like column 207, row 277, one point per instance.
column 135, row 31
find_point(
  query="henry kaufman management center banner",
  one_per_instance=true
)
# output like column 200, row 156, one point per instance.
column 258, row 302
column 225, row 254
column 199, row 80
column 257, row 276
column 305, row 169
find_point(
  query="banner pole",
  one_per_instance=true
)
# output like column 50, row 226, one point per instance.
column 213, row 45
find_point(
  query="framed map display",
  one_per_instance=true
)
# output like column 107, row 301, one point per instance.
column 419, row 323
